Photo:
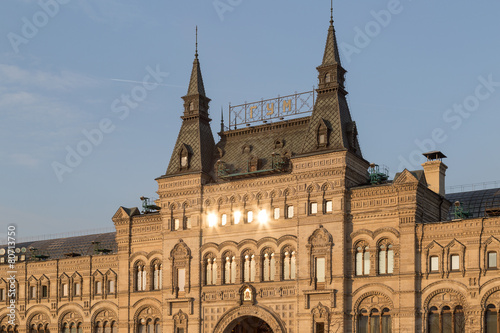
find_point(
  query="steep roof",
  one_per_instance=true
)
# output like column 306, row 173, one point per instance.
column 58, row 248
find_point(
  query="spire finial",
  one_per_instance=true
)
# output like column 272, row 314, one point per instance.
column 196, row 53
column 221, row 119
column 331, row 12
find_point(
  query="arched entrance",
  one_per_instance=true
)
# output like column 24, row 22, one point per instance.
column 248, row 324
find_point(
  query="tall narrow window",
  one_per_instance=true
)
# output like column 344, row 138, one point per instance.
column 229, row 269
column 64, row 289
column 313, row 208
column 224, row 219
column 249, row 216
column 33, row 292
column 328, row 206
column 157, row 275
column 249, row 267
column 111, row 286
column 492, row 260
column 211, row 271
column 289, row 212
column 2, row 294
column 276, row 213
column 98, row 287
column 434, row 262
column 491, row 319
column 385, row 258
column 181, row 279
column 320, row 270
column 177, row 224
column 140, row 277
column 362, row 263
column 433, row 324
column 320, row 328
column 455, row 262
column 446, row 318
column 77, row 288
column 268, row 266
column 45, row 291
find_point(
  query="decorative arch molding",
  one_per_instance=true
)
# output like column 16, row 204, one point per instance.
column 267, row 315
column 138, row 255
column 141, row 306
column 180, row 248
column 228, row 244
column 365, row 288
column 327, row 186
column 390, row 230
column 486, row 285
column 75, row 307
column 487, row 295
column 266, row 241
column 108, row 313
column 44, row 317
column 154, row 253
column 70, row 315
column 250, row 243
column 462, row 286
column 207, row 246
column 364, row 296
column 490, row 240
column 37, row 308
column 283, row 240
column 103, row 305
column 374, row 234
column 313, row 187
column 429, row 298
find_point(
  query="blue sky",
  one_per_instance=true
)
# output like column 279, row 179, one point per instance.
column 421, row 75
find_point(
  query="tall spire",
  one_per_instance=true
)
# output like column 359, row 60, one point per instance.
column 331, row 55
column 196, row 83
column 193, row 151
column 331, row 127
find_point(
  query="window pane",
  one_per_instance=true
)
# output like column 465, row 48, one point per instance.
column 177, row 224
column 292, row 266
column 252, row 269
column 447, row 322
column 492, row 260
column 320, row 269
column 363, row 324
column 250, row 217
column 320, row 328
column 272, row 268
column 390, row 262
column 65, row 289
column 459, row 322
column 214, row 272
column 227, row 271
column 375, row 324
column 276, row 213
column 233, row 270
column 77, row 289
column 359, row 263
column 290, row 212
column 434, row 323
column 266, row 268
column 224, row 219
column 328, row 207
column 386, row 324
column 491, row 322
column 181, row 278
column 188, row 223
column 314, row 207
column 381, row 262
column 434, row 264
column 455, row 262
column 367, row 263
column 286, row 267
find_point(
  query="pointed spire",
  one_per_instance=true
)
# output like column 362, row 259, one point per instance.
column 331, row 55
column 196, row 86
column 221, row 119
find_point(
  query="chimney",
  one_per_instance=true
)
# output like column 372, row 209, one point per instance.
column 435, row 171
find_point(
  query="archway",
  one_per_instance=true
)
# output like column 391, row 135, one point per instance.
column 248, row 324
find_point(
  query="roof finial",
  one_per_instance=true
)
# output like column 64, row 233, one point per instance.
column 221, row 119
column 331, row 13
column 196, row 53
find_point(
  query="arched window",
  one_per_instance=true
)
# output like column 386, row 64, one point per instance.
column 229, row 268
column 248, row 266
column 268, row 265
column 491, row 319
column 210, row 270
column 447, row 320
column 289, row 259
column 374, row 321
column 140, row 276
column 385, row 258
column 156, row 268
column 362, row 259
column 157, row 326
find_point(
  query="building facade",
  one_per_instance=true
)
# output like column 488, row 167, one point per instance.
column 282, row 227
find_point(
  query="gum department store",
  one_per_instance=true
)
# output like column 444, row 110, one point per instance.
column 279, row 227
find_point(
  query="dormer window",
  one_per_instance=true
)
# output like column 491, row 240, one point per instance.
column 322, row 135
column 184, row 158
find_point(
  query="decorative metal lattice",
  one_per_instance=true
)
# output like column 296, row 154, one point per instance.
column 275, row 108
